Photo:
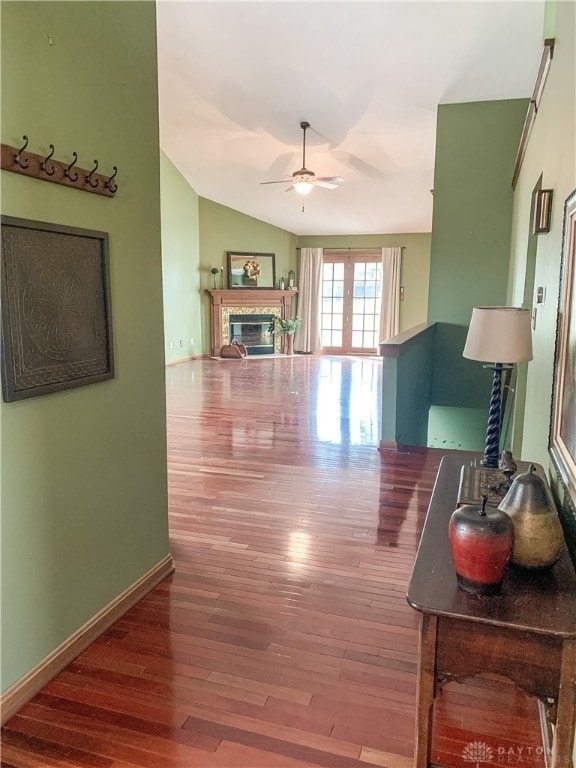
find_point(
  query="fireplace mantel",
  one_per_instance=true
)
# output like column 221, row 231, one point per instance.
column 274, row 301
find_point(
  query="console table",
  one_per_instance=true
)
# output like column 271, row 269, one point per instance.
column 526, row 633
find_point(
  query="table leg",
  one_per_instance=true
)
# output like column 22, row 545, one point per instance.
column 426, row 690
column 563, row 742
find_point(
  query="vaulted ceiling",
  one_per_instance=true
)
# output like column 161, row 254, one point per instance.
column 237, row 78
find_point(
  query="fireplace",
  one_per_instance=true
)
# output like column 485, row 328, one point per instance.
column 241, row 306
column 252, row 331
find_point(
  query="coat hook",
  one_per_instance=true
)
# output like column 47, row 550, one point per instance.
column 44, row 163
column 17, row 159
column 94, row 183
column 68, row 170
column 109, row 183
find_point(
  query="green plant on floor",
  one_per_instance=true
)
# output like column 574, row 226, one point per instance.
column 284, row 326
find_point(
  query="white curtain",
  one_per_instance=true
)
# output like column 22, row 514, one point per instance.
column 390, row 308
column 308, row 338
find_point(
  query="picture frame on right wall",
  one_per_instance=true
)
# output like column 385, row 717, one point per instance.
column 562, row 444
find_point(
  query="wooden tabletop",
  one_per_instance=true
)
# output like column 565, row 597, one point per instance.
column 541, row 601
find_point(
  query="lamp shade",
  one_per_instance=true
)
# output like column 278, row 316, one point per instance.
column 499, row 335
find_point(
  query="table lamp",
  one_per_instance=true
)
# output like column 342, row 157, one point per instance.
column 500, row 336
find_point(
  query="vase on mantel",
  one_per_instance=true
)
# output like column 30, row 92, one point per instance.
column 289, row 344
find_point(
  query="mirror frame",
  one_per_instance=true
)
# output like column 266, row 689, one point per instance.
column 236, row 270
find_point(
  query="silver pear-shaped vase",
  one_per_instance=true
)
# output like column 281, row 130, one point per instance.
column 538, row 537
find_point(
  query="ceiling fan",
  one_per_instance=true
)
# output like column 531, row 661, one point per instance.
column 303, row 181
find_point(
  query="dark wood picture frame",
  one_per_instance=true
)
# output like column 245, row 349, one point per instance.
column 562, row 442
column 542, row 211
column 241, row 276
column 56, row 308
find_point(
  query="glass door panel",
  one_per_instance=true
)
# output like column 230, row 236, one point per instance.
column 351, row 297
column 332, row 304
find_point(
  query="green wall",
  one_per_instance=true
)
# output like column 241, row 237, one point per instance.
column 180, row 264
column 476, row 146
column 457, row 429
column 551, row 154
column 406, row 386
column 84, row 502
column 414, row 271
column 223, row 229
column 549, row 18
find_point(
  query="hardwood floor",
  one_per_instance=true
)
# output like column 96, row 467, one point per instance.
column 284, row 638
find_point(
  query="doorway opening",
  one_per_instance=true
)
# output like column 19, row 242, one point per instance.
column 351, row 301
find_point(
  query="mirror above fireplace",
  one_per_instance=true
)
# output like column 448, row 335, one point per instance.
column 251, row 270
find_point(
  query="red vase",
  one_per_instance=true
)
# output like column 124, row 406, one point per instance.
column 481, row 539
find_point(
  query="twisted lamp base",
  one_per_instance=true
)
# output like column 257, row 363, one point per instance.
column 492, row 449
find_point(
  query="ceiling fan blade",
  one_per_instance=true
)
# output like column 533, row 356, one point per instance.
column 289, row 188
column 325, row 184
column 330, row 179
column 282, row 181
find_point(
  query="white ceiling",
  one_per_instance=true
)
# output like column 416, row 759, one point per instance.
column 236, row 79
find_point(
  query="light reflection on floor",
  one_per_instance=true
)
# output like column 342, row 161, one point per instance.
column 348, row 401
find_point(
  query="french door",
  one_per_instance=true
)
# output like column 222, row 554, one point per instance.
column 351, row 298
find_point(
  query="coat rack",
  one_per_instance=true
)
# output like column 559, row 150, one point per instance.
column 45, row 168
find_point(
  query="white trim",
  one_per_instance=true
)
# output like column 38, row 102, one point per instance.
column 184, row 360
column 27, row 686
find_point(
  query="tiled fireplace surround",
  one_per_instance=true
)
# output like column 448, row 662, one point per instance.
column 250, row 301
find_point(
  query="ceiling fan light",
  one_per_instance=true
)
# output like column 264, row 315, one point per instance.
column 303, row 187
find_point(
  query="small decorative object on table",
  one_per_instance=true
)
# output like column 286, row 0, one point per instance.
column 281, row 284
column 507, row 465
column 481, row 539
column 478, row 481
column 291, row 279
column 538, row 537
column 214, row 272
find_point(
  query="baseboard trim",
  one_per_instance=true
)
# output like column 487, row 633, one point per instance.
column 393, row 445
column 24, row 689
column 388, row 445
column 184, row 360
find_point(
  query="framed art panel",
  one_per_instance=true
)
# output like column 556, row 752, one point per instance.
column 56, row 318
column 563, row 423
column 251, row 270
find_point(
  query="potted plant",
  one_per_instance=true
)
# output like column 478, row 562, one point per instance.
column 287, row 328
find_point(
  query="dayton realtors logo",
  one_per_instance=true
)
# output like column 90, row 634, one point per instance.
column 478, row 752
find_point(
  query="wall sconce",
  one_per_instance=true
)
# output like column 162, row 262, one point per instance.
column 542, row 211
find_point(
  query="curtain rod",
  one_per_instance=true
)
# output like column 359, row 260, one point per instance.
column 355, row 248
